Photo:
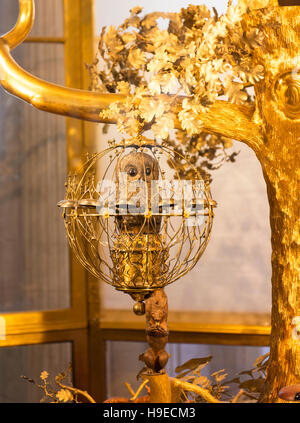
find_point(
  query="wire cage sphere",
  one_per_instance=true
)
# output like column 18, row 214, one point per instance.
column 132, row 221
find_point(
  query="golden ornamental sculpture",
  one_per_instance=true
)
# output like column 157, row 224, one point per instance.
column 259, row 43
column 133, row 222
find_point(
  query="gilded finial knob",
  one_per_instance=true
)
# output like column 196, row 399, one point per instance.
column 139, row 308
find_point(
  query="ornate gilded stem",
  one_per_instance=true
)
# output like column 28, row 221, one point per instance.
column 156, row 356
column 157, row 333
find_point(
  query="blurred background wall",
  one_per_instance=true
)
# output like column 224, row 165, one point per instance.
column 34, row 257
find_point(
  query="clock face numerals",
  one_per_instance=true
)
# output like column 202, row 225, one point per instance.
column 287, row 93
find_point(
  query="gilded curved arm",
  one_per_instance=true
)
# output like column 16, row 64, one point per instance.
column 223, row 118
column 50, row 97
column 41, row 94
column 23, row 26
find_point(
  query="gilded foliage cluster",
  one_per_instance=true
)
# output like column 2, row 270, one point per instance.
column 63, row 391
column 172, row 67
column 249, row 383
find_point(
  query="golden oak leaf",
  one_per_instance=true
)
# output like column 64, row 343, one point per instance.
column 186, row 104
column 235, row 93
column 136, row 10
column 202, row 381
column 114, row 107
column 154, row 85
column 112, row 40
column 129, row 37
column 163, row 126
column 64, row 395
column 219, row 65
column 44, row 375
column 159, row 37
column 232, row 16
column 220, row 29
column 256, row 74
column 191, row 50
column 169, row 83
column 254, row 37
column 151, row 108
column 158, row 62
column 139, row 94
column 128, row 124
column 213, row 81
column 132, row 21
column 220, row 375
column 123, row 87
column 202, row 11
column 190, row 122
column 136, row 58
column 189, row 73
column 149, row 21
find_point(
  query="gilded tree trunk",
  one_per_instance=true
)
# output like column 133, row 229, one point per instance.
column 283, row 190
column 277, row 113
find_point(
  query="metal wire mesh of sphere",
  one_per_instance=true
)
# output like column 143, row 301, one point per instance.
column 132, row 221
